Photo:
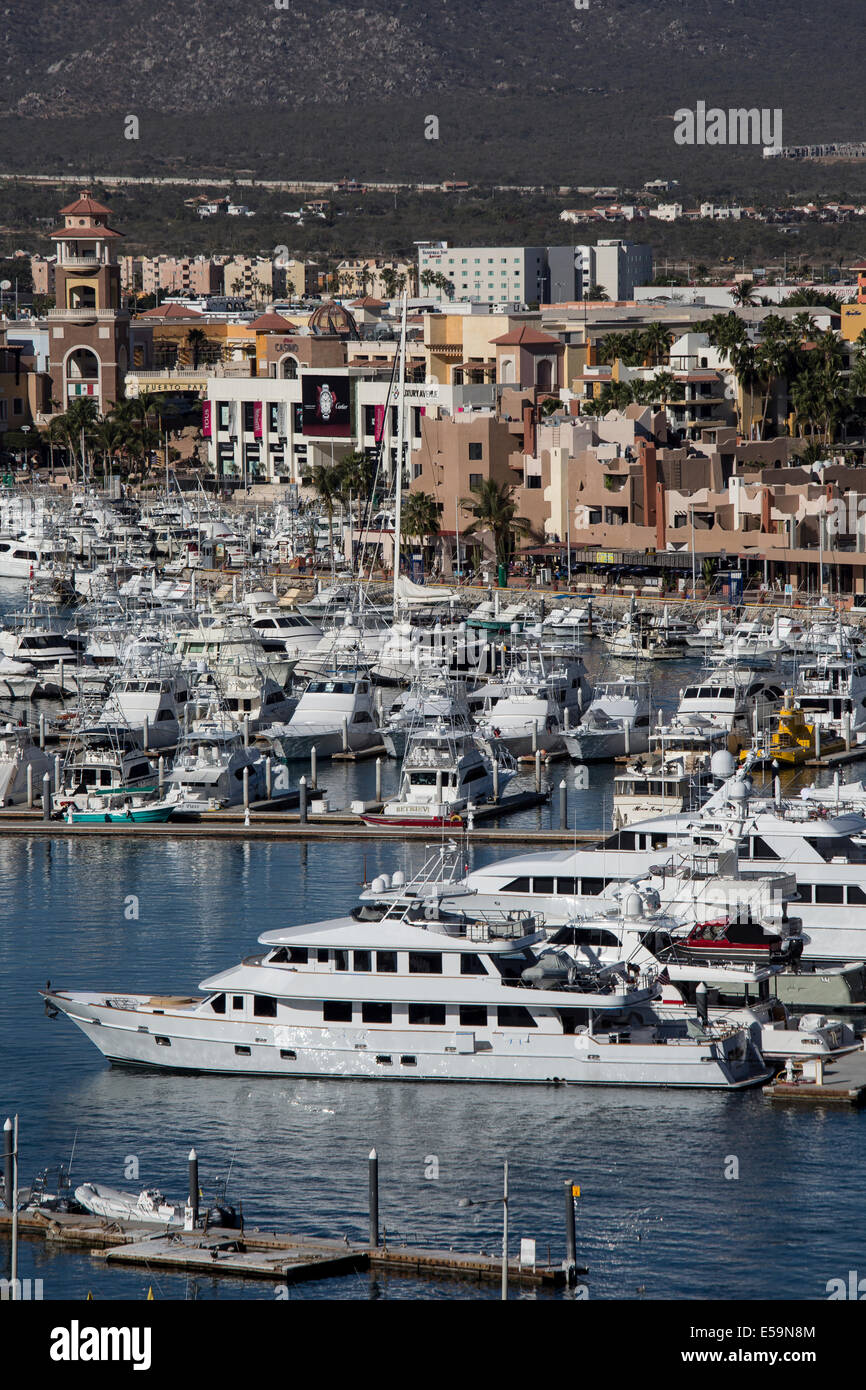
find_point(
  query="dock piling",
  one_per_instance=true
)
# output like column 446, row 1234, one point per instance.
column 246, row 731
column 570, row 1237
column 7, row 1164
column 302, row 801
column 145, row 734
column 30, row 786
column 495, row 779
column 193, row 1185
column 345, row 735
column 246, row 789
column 160, row 769
column 46, row 796
column 538, row 769
column 57, row 772
column 374, row 1198
column 42, row 730
column 378, row 779
column 563, row 805
column 314, row 778
column 269, row 783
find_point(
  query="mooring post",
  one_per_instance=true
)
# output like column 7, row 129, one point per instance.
column 29, row 786
column 246, row 731
column 42, row 730
column 538, row 769
column 570, row 1236
column 374, row 1199
column 145, row 734
column 57, row 772
column 247, row 788
column 302, row 801
column 345, row 735
column 495, row 779
column 7, row 1164
column 193, row 1185
column 46, row 796
column 160, row 773
column 314, row 779
column 269, row 786
column 378, row 779
column 563, row 805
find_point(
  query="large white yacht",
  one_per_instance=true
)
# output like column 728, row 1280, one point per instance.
column 826, row 853
column 445, row 770
column 208, row 769
column 399, row 999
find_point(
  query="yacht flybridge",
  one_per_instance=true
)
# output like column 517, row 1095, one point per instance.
column 400, row 1000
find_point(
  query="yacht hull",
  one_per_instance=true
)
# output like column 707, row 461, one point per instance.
column 202, row 1045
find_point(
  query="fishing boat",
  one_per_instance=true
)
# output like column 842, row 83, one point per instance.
column 616, row 722
column 118, row 807
column 445, row 770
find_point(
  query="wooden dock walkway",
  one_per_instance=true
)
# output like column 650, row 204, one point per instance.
column 263, row 1255
column 843, row 1083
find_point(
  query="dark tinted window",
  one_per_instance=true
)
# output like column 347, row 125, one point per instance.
column 473, row 1016
column 855, row 894
column 363, row 960
column 593, row 885
column 376, row 1013
column 218, row 1004
column 425, row 963
column 517, row 885
column 829, row 893
column 341, row 960
column 386, row 962
column 568, row 886
column 337, row 1011
column 542, row 885
column 514, row 1016
column 470, row 964
column 427, row 1013
column 264, row 1006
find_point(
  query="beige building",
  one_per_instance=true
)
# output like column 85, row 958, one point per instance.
column 254, row 277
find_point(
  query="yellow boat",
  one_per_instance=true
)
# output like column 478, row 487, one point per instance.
column 792, row 742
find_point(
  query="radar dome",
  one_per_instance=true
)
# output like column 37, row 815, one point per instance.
column 723, row 764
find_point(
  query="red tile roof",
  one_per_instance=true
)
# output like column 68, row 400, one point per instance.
column 172, row 311
column 83, row 205
column 272, row 323
column 527, row 337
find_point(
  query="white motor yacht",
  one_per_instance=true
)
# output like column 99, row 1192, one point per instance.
column 616, row 722
column 445, row 770
column 537, row 705
column 335, row 713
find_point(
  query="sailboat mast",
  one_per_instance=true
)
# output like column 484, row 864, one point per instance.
column 401, row 434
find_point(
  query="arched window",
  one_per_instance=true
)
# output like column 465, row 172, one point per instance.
column 289, row 368
column 543, row 374
column 82, row 365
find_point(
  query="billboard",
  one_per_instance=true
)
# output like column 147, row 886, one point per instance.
column 326, row 406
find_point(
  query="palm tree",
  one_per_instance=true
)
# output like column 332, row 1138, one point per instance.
column 196, row 341
column 428, row 279
column 325, row 482
column 744, row 293
column 388, row 278
column 656, row 343
column 743, row 365
column 419, row 517
column 665, row 388
column 493, row 507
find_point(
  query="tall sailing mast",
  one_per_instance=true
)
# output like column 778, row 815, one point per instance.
column 401, row 435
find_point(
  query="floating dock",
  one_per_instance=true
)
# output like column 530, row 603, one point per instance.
column 264, row 1255
column 843, row 1082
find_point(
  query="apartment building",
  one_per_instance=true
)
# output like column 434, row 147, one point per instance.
column 485, row 274
column 42, row 270
column 254, row 277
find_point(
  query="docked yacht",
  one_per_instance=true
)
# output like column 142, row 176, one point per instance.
column 536, row 705
column 616, row 722
column 682, row 766
column 208, row 769
column 433, row 698
column 30, row 557
column 399, row 999
column 149, row 703
column 445, row 770
column 335, row 714
column 18, row 753
column 831, row 691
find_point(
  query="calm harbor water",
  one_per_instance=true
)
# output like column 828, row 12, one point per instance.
column 658, row 1217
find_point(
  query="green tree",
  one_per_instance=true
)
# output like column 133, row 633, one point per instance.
column 493, row 509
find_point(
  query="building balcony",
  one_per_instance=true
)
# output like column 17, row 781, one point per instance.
column 86, row 315
column 80, row 263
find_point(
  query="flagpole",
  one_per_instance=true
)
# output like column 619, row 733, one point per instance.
column 398, row 489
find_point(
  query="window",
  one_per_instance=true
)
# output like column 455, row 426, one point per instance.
column 363, row 960
column 407, row 1061
column 376, row 1013
column 225, row 415
column 514, row 1016
column 542, row 885
column 249, row 416
column 532, row 480
column 828, row 893
column 473, row 1016
column 584, row 936
column 593, row 885
column 429, row 1014
column 425, row 963
column 476, row 452
column 512, row 964
column 855, row 894
column 322, row 955
column 383, row 1059
column 475, row 480
column 567, row 886
column 287, row 1054
column 264, row 1006
column 242, row 1051
column 517, row 885
column 341, row 960
column 761, row 850
column 386, row 962
column 470, row 964
column 164, row 1042
column 218, row 1003
column 337, row 1011
column 237, row 1001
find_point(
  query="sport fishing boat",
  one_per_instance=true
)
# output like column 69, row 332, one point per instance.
column 445, row 771
column 616, row 722
column 399, row 999
column 536, row 706
column 335, row 714
column 433, row 698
